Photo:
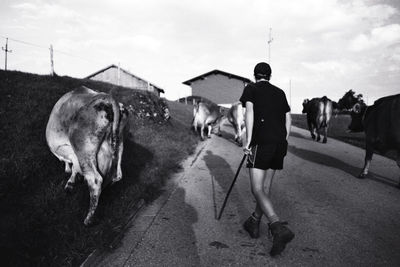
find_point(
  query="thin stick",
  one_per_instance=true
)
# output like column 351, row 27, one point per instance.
column 231, row 187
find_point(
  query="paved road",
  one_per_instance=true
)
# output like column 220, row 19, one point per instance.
column 338, row 220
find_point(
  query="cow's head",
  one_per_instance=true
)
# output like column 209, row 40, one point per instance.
column 357, row 115
column 305, row 105
column 354, row 104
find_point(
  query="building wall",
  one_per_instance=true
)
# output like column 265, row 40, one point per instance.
column 111, row 76
column 218, row 88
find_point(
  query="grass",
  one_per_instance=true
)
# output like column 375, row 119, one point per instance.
column 337, row 129
column 42, row 225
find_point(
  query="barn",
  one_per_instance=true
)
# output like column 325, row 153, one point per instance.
column 115, row 75
column 218, row 86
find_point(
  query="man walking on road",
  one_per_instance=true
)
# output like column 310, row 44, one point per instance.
column 268, row 124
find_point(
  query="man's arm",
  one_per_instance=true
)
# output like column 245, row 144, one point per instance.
column 288, row 124
column 249, row 120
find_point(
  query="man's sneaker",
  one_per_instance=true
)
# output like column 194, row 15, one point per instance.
column 252, row 226
column 281, row 236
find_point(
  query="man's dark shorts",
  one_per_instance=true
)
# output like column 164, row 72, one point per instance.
column 267, row 156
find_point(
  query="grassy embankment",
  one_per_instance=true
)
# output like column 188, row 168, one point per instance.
column 42, row 225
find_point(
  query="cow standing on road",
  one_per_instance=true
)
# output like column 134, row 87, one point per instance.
column 85, row 130
column 208, row 115
column 319, row 113
column 236, row 117
column 380, row 122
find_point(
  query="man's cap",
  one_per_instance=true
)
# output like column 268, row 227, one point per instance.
column 262, row 69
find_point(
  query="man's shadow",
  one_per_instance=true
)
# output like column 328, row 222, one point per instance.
column 336, row 163
column 221, row 173
column 182, row 221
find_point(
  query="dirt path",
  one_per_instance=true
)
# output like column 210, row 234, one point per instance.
column 338, row 219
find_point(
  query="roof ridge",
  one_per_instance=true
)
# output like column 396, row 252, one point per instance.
column 217, row 71
column 127, row 72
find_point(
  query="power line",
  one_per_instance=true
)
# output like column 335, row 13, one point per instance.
column 54, row 50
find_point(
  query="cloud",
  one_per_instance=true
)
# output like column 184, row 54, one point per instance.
column 134, row 42
column 45, row 11
column 332, row 67
column 380, row 37
column 25, row 6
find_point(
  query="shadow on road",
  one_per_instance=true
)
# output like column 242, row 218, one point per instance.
column 338, row 164
column 221, row 173
column 229, row 137
column 181, row 225
column 298, row 135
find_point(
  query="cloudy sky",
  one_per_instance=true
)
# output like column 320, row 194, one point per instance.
column 322, row 47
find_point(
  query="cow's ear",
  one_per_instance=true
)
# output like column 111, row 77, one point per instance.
column 305, row 102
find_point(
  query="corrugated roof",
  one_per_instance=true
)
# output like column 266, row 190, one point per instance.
column 127, row 72
column 230, row 75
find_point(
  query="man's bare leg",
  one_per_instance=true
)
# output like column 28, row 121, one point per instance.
column 269, row 177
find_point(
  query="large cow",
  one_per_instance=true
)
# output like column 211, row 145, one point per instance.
column 380, row 122
column 206, row 114
column 235, row 116
column 85, row 130
column 319, row 113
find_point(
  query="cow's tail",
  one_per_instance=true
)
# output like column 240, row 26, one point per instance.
column 115, row 124
column 324, row 122
column 109, row 105
column 195, row 108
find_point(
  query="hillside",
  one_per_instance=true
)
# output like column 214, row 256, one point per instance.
column 42, row 225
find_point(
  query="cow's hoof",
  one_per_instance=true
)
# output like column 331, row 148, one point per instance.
column 209, row 136
column 219, row 134
column 362, row 175
column 115, row 180
column 318, row 139
column 69, row 187
column 87, row 222
column 313, row 137
column 324, row 141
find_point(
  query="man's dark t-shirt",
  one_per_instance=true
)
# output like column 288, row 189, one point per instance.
column 270, row 108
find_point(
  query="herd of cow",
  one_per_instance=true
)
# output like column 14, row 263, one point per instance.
column 380, row 121
column 85, row 131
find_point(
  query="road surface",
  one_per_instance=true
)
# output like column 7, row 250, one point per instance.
column 338, row 220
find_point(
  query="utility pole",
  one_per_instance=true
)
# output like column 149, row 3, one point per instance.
column 290, row 93
column 119, row 76
column 51, row 61
column 269, row 45
column 6, row 51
